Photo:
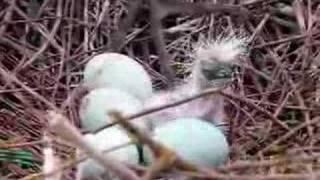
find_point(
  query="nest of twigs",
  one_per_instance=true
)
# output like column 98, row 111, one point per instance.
column 274, row 114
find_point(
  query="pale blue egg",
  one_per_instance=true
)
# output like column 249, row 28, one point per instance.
column 194, row 140
column 96, row 105
column 118, row 71
column 112, row 138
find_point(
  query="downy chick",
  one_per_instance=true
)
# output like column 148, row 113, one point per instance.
column 213, row 67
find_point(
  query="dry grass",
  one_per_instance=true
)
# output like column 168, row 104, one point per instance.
column 44, row 45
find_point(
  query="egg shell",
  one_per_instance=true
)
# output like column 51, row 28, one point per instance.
column 108, row 139
column 96, row 105
column 194, row 140
column 118, row 71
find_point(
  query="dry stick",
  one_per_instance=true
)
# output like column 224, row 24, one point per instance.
column 66, row 131
column 239, row 165
column 41, row 30
column 290, row 133
column 105, row 7
column 11, row 78
column 14, row 90
column 78, row 56
column 166, row 157
column 68, row 40
column 50, row 161
column 42, row 9
column 48, row 36
column 162, row 107
column 7, row 17
column 283, row 102
column 71, row 102
column 62, row 53
column 275, row 176
column 248, row 102
column 280, row 41
column 305, row 64
column 38, row 20
column 28, row 50
column 200, row 95
column 171, row 7
column 307, row 116
column 256, row 71
column 161, row 9
column 18, row 95
column 163, row 162
column 259, row 27
column 118, row 37
column 19, row 145
column 242, row 110
column 71, row 163
column 297, row 93
column 78, row 92
column 86, row 20
column 285, row 106
column 158, row 38
column 258, row 2
column 46, row 43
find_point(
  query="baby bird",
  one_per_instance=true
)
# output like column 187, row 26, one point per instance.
column 213, row 67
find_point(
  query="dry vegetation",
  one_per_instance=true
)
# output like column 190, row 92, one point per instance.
column 274, row 116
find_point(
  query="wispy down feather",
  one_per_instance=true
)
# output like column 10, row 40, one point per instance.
column 224, row 49
column 211, row 69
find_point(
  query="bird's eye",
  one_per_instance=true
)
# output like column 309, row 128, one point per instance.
column 219, row 71
column 223, row 74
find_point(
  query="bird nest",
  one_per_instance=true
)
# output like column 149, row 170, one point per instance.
column 273, row 115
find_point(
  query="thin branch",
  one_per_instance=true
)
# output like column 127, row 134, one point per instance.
column 166, row 158
column 158, row 39
column 270, row 115
column 162, row 107
column 118, row 36
column 172, row 7
column 291, row 133
column 9, row 78
column 66, row 131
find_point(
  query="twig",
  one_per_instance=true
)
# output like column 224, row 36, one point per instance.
column 280, row 41
column 49, row 38
column 270, row 115
column 9, row 78
column 51, row 162
column 158, row 38
column 166, row 106
column 66, row 131
column 278, row 176
column 71, row 163
column 290, row 133
column 166, row 157
column 118, row 36
column 172, row 7
column 7, row 17
column 267, row 163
